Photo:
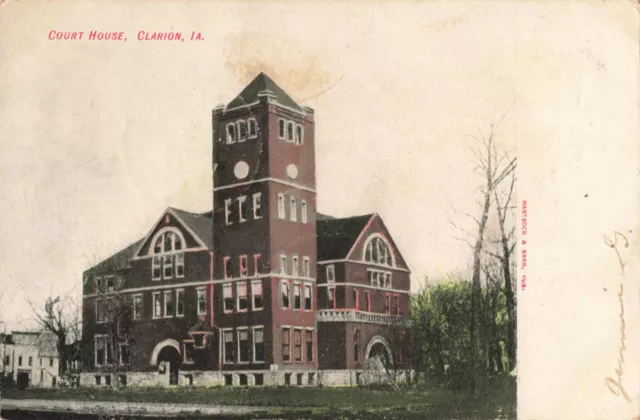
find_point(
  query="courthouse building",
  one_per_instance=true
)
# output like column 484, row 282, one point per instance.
column 263, row 289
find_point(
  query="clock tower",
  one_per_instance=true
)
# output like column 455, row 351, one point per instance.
column 264, row 231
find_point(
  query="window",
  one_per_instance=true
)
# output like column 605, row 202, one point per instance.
column 51, row 362
column 294, row 266
column 98, row 379
column 253, row 128
column 331, row 297
column 258, row 379
column 286, row 349
column 30, row 360
column 377, row 278
column 242, row 208
column 231, row 133
column 307, row 297
column 243, row 346
column 356, row 345
column 202, row 301
column 137, row 306
column 305, row 267
column 256, row 293
column 309, row 344
column 290, row 131
column 377, row 252
column 168, row 303
column 180, row 302
column 367, row 301
column 284, row 287
column 241, row 291
column 354, row 298
column 243, row 266
column 124, row 354
column 283, row 264
column 19, row 360
column 258, row 344
column 256, row 264
column 101, row 311
column 293, row 213
column 168, row 257
column 242, row 130
column 157, row 305
column 281, row 214
column 303, row 212
column 257, row 209
column 297, row 343
column 229, row 348
column 396, row 305
column 227, row 267
column 297, row 298
column 7, row 360
column 387, row 303
column 227, row 211
column 281, row 129
column 299, row 134
column 331, row 273
column 102, row 351
column 227, row 296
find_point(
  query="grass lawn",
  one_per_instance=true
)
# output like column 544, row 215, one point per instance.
column 497, row 401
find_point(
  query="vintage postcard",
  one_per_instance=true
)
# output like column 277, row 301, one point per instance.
column 319, row 210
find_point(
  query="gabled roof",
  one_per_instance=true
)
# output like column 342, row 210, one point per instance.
column 263, row 83
column 200, row 223
column 335, row 237
column 119, row 260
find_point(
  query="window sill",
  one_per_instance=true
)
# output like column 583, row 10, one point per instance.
column 257, row 309
column 180, row 316
column 228, row 312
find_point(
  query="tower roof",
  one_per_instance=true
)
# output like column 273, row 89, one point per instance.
column 263, row 85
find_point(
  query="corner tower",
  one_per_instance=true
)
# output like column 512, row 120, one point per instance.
column 264, row 235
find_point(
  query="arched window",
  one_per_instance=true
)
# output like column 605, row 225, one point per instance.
column 377, row 251
column 167, row 255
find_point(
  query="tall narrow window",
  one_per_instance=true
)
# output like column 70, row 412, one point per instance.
column 331, row 273
column 30, row 360
column 168, row 303
column 283, row 264
column 309, row 344
column 284, row 294
column 297, row 343
column 256, row 293
column 297, row 298
column 244, row 269
column 253, row 128
column 180, row 265
column 157, row 267
column 258, row 344
column 387, row 303
column 354, row 298
column 101, row 311
column 227, row 296
column 157, row 305
column 227, row 267
column 167, row 266
column 241, row 290
column 257, row 208
column 242, row 208
column 227, row 211
column 202, row 301
column 180, row 302
column 331, row 297
column 293, row 210
column 231, row 133
column 243, row 346
column 100, row 345
column 281, row 128
column 299, row 135
column 396, row 305
column 306, row 267
column 281, row 214
column 229, row 348
column 307, row 297
column 367, row 301
column 304, row 218
column 356, row 345
column 256, row 264
column 242, row 130
column 286, row 348
column 290, row 131
column 294, row 265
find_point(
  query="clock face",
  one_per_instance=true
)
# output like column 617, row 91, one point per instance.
column 241, row 170
column 292, row 171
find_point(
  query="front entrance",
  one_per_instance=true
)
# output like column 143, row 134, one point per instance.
column 168, row 366
column 22, row 380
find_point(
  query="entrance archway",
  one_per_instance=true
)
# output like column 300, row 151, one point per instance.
column 378, row 354
column 166, row 355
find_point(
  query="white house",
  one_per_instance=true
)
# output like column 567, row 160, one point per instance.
column 30, row 359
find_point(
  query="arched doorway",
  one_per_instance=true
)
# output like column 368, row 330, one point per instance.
column 166, row 355
column 378, row 355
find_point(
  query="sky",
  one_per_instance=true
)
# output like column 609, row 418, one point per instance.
column 98, row 138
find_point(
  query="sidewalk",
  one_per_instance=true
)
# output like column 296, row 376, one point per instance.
column 125, row 408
